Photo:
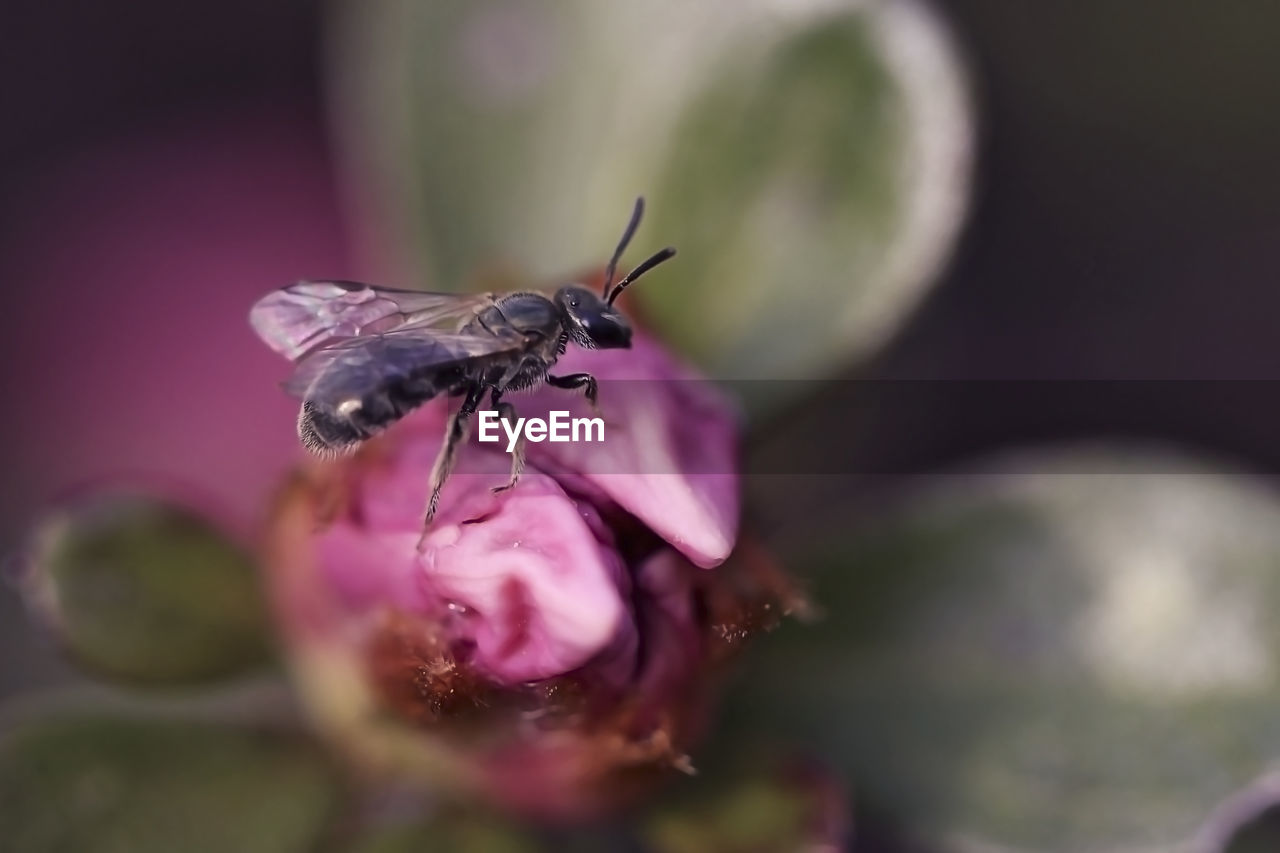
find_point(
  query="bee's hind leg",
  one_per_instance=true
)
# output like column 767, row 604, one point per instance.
column 455, row 434
column 507, row 412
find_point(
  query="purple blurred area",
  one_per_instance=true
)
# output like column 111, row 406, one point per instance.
column 1126, row 225
column 167, row 165
column 163, row 166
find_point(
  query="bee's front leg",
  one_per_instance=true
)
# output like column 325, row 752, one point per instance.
column 507, row 412
column 455, row 434
column 577, row 380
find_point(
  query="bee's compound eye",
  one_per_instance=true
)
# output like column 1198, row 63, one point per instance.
column 573, row 303
column 348, row 407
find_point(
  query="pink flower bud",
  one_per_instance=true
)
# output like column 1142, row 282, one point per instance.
column 548, row 646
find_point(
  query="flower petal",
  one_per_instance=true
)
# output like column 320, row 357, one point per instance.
column 544, row 596
column 670, row 453
column 523, row 574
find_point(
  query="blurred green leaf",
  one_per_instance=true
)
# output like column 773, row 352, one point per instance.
column 757, row 816
column 103, row 785
column 471, row 831
column 1078, row 654
column 451, row 833
column 810, row 161
column 762, row 808
column 782, row 189
column 146, row 591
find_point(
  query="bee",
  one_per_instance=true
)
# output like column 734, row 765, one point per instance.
column 366, row 356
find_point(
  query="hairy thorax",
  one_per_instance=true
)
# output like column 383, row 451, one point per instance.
column 538, row 319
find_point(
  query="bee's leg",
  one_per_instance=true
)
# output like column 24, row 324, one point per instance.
column 507, row 412
column 455, row 434
column 577, row 380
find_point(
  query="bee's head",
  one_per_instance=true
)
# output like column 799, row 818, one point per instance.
column 590, row 321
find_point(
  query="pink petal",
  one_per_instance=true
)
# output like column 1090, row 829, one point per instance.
column 670, row 454
column 525, row 574
column 544, row 595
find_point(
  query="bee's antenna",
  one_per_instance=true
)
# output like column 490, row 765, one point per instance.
column 655, row 259
column 636, row 215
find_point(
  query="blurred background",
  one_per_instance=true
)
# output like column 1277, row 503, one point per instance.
column 1093, row 257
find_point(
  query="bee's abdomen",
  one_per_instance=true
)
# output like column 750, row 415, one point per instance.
column 334, row 428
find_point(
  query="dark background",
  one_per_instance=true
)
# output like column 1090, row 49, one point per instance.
column 1126, row 222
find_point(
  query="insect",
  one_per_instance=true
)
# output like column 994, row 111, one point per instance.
column 366, row 356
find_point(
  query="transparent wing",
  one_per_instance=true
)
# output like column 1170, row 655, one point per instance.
column 415, row 358
column 303, row 317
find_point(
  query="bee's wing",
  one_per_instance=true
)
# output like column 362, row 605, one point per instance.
column 306, row 316
column 418, row 355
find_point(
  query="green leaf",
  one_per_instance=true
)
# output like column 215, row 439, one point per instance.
column 753, row 817
column 783, row 188
column 115, row 785
column 1078, row 653
column 810, row 161
column 146, row 591
column 451, row 833
column 765, row 806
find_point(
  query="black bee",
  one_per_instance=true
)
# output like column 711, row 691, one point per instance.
column 367, row 356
